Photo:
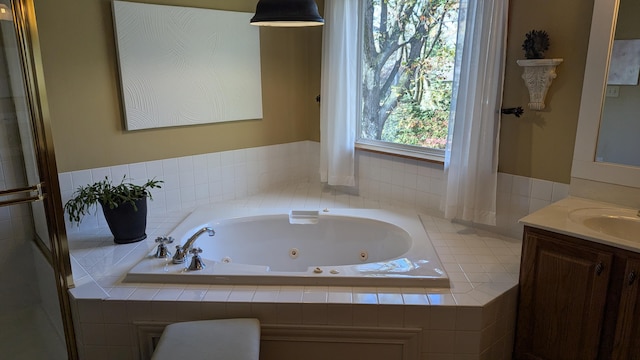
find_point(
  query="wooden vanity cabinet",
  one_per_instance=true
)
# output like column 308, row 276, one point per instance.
column 626, row 344
column 577, row 299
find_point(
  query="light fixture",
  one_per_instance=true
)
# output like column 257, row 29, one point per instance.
column 287, row 13
column 5, row 13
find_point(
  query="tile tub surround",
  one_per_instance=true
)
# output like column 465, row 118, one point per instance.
column 209, row 178
column 474, row 319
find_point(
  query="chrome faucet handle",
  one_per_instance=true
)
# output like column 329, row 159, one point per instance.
column 180, row 255
column 196, row 260
column 162, row 251
column 164, row 239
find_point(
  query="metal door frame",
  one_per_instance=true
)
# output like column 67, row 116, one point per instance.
column 49, row 190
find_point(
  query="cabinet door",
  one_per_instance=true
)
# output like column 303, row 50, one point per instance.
column 627, row 337
column 563, row 290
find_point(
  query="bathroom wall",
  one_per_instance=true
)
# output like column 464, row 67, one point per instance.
column 208, row 178
column 540, row 143
column 80, row 66
column 82, row 82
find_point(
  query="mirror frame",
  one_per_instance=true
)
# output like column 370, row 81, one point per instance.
column 603, row 25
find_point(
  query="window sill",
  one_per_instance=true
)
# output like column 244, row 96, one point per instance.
column 401, row 152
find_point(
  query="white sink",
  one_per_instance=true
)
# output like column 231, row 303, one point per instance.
column 620, row 223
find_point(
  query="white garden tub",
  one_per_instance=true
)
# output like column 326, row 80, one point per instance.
column 349, row 247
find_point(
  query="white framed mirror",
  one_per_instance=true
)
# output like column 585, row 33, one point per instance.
column 585, row 164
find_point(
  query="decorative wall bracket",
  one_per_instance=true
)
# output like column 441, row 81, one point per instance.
column 538, row 75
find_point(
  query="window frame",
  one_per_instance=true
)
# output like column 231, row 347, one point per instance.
column 404, row 150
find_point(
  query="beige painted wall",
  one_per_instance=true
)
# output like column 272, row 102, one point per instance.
column 82, row 81
column 540, row 144
column 79, row 60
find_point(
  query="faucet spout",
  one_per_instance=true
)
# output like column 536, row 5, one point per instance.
column 195, row 236
column 182, row 251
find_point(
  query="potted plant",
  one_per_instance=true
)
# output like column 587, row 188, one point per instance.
column 536, row 42
column 124, row 206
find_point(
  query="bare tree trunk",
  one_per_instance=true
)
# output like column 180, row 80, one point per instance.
column 385, row 78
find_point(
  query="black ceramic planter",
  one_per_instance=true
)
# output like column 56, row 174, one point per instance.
column 126, row 224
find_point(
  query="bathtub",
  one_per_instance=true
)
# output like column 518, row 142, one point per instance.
column 329, row 247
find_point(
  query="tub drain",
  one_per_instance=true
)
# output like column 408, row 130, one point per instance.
column 364, row 255
column 293, row 253
column 226, row 259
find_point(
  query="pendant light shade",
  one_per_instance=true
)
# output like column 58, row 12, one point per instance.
column 287, row 13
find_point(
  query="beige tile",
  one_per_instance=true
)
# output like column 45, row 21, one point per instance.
column 289, row 313
column 442, row 318
column 93, row 334
column 217, row 294
column 487, row 337
column 465, row 300
column 365, row 315
column 119, row 335
column 467, row 342
column 440, row 341
column 417, row 316
column 365, row 296
column 314, row 314
column 315, row 294
column 192, row 295
column 391, row 315
column 95, row 352
column 490, row 311
column 121, row 352
column 115, row 312
column 265, row 312
column 242, row 293
column 415, row 299
column 432, row 356
column 162, row 311
column 441, row 299
column 90, row 311
column 468, row 318
column 140, row 310
column 238, row 310
column 213, row 310
column 388, row 298
column 340, row 314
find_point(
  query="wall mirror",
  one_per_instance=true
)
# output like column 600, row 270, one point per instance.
column 620, row 123
column 606, row 147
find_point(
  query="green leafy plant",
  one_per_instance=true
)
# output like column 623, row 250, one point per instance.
column 107, row 194
column 535, row 44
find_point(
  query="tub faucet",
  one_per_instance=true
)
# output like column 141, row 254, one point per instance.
column 182, row 251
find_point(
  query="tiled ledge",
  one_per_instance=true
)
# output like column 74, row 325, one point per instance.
column 474, row 319
column 479, row 263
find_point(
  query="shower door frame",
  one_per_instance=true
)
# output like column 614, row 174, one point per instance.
column 55, row 249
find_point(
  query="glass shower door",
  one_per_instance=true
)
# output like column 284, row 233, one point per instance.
column 30, row 295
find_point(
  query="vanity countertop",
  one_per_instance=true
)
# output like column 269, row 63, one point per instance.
column 560, row 217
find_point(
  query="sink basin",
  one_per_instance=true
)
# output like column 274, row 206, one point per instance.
column 620, row 223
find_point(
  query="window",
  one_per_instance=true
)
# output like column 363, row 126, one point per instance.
column 407, row 61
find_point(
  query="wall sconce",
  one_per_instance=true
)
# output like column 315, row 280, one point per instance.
column 287, row 13
column 538, row 75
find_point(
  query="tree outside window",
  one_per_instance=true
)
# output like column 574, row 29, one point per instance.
column 408, row 55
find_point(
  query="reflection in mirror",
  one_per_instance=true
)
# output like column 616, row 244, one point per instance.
column 584, row 168
column 620, row 125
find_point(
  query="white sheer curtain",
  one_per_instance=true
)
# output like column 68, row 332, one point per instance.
column 338, row 93
column 471, row 159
